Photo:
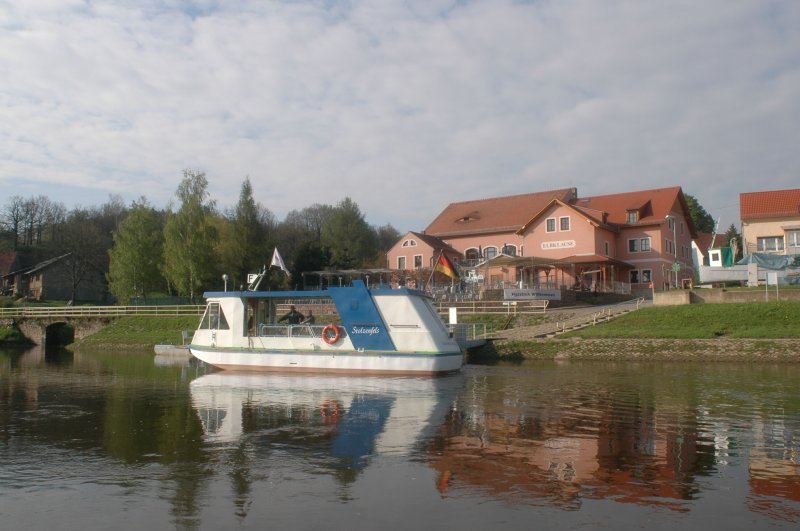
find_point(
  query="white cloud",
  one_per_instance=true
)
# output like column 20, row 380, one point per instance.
column 402, row 106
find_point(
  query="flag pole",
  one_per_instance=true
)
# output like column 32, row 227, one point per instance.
column 433, row 267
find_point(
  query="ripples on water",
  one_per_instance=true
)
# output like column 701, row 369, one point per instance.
column 84, row 439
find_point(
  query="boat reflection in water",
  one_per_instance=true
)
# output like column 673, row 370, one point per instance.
column 342, row 420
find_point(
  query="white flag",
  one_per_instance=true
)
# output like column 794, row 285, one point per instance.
column 278, row 261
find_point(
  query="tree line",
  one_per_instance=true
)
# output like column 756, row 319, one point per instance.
column 185, row 248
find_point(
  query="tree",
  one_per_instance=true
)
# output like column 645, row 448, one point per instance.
column 251, row 234
column 310, row 256
column 135, row 259
column 702, row 220
column 386, row 237
column 13, row 217
column 347, row 236
column 85, row 246
column 189, row 235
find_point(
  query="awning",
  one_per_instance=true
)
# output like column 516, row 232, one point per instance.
column 594, row 259
column 518, row 261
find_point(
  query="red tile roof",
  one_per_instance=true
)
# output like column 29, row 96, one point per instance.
column 703, row 240
column 652, row 205
column 774, row 204
column 495, row 214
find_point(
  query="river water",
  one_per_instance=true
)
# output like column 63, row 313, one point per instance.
column 128, row 441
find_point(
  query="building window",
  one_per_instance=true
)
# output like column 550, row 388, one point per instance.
column 401, row 262
column 606, row 248
column 410, row 243
column 490, row 252
column 669, row 246
column 682, row 225
column 417, row 261
column 793, row 238
column 670, row 222
column 564, row 223
column 472, row 254
column 641, row 245
column 647, row 276
column 551, row 225
column 634, row 276
column 770, row 244
column 633, row 216
column 510, row 250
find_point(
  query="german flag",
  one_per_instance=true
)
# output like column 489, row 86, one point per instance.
column 446, row 267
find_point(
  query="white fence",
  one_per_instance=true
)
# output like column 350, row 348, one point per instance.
column 99, row 311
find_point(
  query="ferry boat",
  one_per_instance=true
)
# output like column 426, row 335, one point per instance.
column 377, row 331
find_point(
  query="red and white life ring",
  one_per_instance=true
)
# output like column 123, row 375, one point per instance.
column 330, row 334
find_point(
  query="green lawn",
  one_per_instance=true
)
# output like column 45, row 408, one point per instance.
column 769, row 320
column 141, row 332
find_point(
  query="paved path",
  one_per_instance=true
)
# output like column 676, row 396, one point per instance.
column 558, row 320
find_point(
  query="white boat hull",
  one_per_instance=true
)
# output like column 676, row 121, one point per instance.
column 333, row 362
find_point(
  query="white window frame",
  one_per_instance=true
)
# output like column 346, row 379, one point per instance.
column 415, row 261
column 547, row 225
column 401, row 263
column 491, row 250
column 633, row 245
column 777, row 240
column 633, row 217
column 645, row 242
column 792, row 238
column 634, row 273
column 646, row 273
column 410, row 243
column 561, row 220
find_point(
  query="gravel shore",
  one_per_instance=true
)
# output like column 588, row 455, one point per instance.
column 739, row 350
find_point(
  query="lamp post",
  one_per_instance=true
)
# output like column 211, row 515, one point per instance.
column 674, row 248
column 225, row 280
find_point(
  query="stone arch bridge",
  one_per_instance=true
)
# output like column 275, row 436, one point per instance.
column 34, row 322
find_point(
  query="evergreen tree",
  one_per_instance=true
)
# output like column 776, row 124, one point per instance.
column 137, row 254
column 702, row 220
column 189, row 236
column 348, row 237
column 251, row 227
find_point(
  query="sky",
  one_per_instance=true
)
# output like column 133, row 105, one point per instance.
column 402, row 106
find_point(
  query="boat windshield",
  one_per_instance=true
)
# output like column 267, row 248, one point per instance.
column 213, row 319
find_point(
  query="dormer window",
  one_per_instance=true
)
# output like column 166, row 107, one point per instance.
column 633, row 217
column 472, row 216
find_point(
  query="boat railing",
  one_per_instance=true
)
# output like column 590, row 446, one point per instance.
column 294, row 330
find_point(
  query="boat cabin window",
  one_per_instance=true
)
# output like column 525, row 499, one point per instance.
column 214, row 319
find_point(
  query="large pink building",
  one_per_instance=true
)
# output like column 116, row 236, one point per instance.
column 619, row 242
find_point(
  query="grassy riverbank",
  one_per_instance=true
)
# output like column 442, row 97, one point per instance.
column 747, row 331
column 138, row 333
column 778, row 320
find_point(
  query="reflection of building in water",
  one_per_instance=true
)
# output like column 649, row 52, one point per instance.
column 774, row 468
column 561, row 456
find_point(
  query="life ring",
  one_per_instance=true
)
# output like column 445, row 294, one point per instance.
column 330, row 338
column 329, row 410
